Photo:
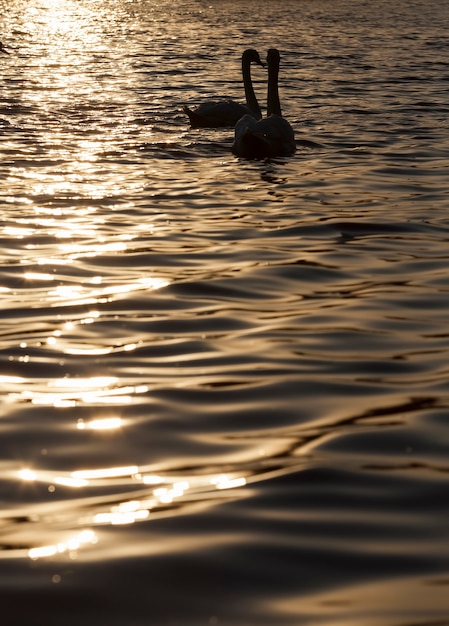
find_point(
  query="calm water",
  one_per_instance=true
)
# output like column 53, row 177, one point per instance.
column 225, row 383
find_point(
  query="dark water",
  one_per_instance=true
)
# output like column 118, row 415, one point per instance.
column 225, row 383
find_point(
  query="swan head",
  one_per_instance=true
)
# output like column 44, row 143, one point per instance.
column 252, row 56
column 273, row 57
column 3, row 49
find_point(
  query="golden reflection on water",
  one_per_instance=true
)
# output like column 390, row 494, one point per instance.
column 71, row 545
column 73, row 391
column 65, row 36
column 165, row 491
column 66, row 295
column 66, row 21
column 107, row 423
column 70, row 295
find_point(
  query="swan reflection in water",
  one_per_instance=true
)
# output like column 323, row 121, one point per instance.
column 222, row 113
column 269, row 137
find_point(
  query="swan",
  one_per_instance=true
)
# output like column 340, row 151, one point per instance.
column 3, row 49
column 272, row 136
column 220, row 113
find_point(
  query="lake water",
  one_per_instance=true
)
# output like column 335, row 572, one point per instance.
column 224, row 383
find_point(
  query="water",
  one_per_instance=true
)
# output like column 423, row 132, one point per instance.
column 224, row 382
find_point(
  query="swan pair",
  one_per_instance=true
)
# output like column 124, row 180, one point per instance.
column 254, row 137
column 269, row 137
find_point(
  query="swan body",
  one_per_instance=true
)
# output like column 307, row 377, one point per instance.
column 222, row 113
column 272, row 136
column 216, row 114
column 259, row 139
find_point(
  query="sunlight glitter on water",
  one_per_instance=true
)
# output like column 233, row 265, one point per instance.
column 125, row 512
column 108, row 472
column 71, row 545
column 76, row 391
column 107, row 423
column 71, row 295
column 224, row 382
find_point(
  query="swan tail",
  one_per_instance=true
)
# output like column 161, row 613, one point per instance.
column 196, row 120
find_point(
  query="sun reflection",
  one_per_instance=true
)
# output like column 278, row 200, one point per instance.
column 12, row 379
column 65, row 481
column 225, row 482
column 108, row 472
column 18, row 232
column 121, row 517
column 164, row 491
column 107, row 423
column 82, row 383
column 72, row 295
column 27, row 474
column 78, row 390
column 71, row 545
column 64, row 22
column 167, row 495
column 38, row 276
column 76, row 250
column 150, row 479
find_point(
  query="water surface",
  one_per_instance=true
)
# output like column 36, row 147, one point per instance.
column 224, row 382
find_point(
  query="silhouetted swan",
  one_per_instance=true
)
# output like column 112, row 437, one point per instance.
column 220, row 113
column 3, row 49
column 272, row 136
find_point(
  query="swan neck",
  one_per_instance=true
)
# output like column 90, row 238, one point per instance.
column 251, row 100
column 273, row 102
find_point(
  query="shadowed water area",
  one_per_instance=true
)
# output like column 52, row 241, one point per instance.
column 224, row 382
